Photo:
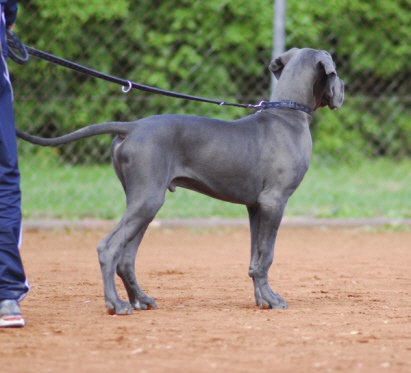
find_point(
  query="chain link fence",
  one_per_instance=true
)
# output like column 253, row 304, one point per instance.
column 219, row 50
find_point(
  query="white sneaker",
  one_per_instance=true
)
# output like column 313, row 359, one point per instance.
column 10, row 315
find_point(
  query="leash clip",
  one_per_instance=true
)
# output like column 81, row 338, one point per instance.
column 258, row 106
column 127, row 89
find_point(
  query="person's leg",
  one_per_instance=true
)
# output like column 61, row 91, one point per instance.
column 12, row 277
column 13, row 284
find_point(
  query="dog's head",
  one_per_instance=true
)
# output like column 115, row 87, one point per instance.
column 317, row 65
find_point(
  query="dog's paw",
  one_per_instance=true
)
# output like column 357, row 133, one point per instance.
column 147, row 304
column 121, row 307
column 275, row 301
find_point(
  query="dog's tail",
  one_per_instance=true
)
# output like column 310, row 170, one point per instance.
column 115, row 128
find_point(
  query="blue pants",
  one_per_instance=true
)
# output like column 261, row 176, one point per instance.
column 13, row 283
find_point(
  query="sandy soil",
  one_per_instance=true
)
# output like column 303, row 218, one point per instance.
column 348, row 292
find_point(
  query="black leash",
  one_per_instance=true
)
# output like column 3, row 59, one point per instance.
column 19, row 52
column 126, row 84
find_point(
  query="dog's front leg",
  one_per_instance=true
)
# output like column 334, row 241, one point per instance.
column 264, row 223
column 253, row 217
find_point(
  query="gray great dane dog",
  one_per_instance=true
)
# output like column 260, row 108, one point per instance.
column 257, row 161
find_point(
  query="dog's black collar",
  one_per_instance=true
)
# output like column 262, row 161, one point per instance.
column 263, row 105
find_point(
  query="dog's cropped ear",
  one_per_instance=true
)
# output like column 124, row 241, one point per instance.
column 277, row 65
column 324, row 58
column 334, row 87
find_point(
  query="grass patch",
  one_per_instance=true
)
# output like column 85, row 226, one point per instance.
column 371, row 189
column 378, row 188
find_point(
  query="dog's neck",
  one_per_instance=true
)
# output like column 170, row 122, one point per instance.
column 289, row 88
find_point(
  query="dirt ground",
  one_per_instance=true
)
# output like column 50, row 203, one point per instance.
column 348, row 291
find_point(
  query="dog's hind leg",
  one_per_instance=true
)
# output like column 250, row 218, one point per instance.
column 118, row 250
column 140, row 214
column 109, row 254
column 126, row 271
column 264, row 223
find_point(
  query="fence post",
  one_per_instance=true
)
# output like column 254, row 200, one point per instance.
column 279, row 35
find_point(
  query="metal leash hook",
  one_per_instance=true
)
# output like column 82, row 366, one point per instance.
column 127, row 89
